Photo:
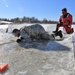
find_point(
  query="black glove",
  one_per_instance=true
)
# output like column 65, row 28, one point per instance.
column 19, row 40
column 60, row 22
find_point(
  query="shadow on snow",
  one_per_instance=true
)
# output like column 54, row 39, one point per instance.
column 45, row 46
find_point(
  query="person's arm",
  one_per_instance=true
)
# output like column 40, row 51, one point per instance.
column 60, row 21
column 25, row 36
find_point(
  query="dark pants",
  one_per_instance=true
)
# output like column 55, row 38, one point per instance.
column 68, row 28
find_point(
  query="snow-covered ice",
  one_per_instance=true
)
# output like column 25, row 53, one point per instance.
column 37, row 58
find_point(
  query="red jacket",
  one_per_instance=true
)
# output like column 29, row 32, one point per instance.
column 66, row 20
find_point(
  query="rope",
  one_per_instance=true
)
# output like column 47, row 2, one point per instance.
column 7, row 42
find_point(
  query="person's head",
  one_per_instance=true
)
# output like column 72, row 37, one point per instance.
column 64, row 11
column 16, row 32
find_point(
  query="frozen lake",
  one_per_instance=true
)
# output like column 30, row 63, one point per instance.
column 3, row 26
column 37, row 58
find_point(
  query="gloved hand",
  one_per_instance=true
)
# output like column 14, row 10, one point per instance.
column 19, row 40
column 60, row 22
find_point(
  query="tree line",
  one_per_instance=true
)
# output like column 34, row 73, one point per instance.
column 30, row 20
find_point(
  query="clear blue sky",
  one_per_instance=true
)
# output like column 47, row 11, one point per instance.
column 50, row 9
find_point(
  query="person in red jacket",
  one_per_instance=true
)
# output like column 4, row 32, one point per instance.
column 65, row 21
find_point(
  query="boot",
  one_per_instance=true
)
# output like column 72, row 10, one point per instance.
column 55, row 30
column 59, row 33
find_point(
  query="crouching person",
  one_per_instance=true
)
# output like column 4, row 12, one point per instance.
column 65, row 21
column 29, row 33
